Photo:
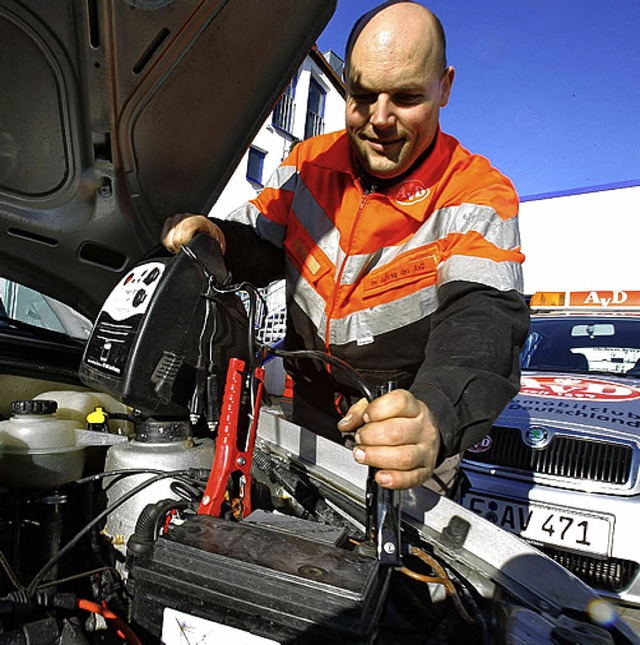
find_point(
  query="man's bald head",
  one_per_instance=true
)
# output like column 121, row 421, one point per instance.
column 397, row 81
column 398, row 20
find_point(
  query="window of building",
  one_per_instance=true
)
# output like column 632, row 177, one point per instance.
column 255, row 165
column 315, row 109
column 285, row 108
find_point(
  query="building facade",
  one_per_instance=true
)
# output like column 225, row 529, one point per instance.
column 581, row 240
column 313, row 103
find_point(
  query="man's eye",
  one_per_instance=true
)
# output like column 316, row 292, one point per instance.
column 408, row 99
column 364, row 98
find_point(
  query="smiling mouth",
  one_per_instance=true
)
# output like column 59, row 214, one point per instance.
column 383, row 145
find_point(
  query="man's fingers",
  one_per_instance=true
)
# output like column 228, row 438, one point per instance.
column 399, row 467
column 403, row 446
column 395, row 434
column 180, row 229
column 403, row 458
column 397, row 480
column 170, row 234
column 354, row 417
column 170, row 241
column 397, row 431
column 397, row 403
column 169, row 223
column 173, row 232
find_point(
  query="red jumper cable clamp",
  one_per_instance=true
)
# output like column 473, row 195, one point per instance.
column 229, row 485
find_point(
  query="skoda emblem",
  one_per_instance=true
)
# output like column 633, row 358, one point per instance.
column 536, row 437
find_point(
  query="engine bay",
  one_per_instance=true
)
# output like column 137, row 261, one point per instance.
column 153, row 501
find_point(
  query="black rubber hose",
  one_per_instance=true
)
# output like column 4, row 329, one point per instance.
column 39, row 577
column 147, row 525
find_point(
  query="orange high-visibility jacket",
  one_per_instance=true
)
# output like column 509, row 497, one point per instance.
column 414, row 282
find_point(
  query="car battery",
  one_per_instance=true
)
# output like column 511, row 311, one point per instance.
column 273, row 582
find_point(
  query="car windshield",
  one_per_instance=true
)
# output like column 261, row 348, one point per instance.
column 28, row 310
column 583, row 344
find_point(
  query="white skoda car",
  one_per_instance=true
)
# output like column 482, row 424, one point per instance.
column 560, row 466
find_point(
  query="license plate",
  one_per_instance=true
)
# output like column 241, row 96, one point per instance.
column 552, row 525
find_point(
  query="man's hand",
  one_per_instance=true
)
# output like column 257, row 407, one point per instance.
column 397, row 434
column 180, row 230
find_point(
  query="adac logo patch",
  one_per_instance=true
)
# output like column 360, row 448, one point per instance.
column 411, row 192
column 482, row 446
column 578, row 389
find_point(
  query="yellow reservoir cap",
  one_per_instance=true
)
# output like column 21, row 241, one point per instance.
column 98, row 416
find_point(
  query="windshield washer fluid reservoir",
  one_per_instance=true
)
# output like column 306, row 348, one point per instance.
column 38, row 450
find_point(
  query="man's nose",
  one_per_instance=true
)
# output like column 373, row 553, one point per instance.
column 382, row 115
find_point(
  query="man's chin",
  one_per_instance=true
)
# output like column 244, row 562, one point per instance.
column 384, row 166
column 383, row 169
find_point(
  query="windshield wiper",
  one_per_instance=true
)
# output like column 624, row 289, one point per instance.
column 628, row 374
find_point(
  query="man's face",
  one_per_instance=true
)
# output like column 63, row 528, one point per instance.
column 393, row 106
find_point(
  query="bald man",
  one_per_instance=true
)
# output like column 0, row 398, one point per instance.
column 401, row 255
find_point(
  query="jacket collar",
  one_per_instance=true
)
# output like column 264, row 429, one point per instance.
column 410, row 192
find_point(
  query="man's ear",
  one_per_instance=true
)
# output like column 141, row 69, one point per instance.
column 446, row 81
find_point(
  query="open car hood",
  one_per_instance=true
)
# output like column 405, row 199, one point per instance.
column 116, row 114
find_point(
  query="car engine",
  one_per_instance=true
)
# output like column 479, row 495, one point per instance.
column 144, row 505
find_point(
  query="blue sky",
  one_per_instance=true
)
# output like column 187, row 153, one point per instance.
column 548, row 90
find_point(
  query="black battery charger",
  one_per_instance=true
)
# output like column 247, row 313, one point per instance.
column 147, row 339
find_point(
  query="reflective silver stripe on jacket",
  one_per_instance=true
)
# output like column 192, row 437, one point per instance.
column 315, row 221
column 283, row 178
column 504, row 234
column 481, row 219
column 499, row 275
column 366, row 324
column 307, row 298
column 266, row 229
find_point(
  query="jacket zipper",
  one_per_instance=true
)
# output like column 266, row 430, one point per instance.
column 363, row 201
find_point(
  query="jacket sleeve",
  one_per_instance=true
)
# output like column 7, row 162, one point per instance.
column 471, row 368
column 255, row 231
column 249, row 256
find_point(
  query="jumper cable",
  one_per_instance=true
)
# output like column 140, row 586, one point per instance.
column 383, row 513
column 229, row 485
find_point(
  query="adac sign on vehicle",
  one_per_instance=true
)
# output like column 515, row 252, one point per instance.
column 576, row 389
column 482, row 446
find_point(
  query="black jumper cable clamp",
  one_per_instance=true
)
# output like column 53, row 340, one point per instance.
column 383, row 507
